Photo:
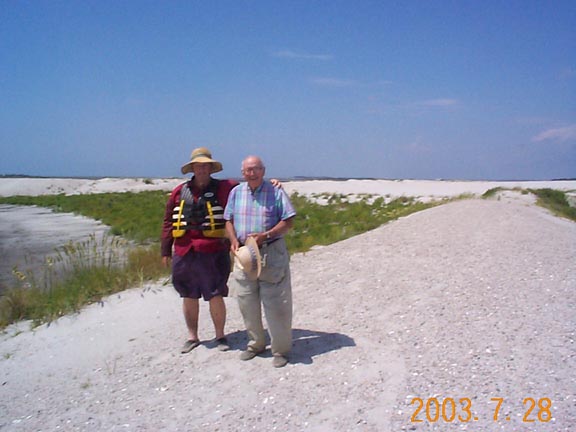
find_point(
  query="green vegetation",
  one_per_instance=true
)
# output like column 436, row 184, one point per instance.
column 76, row 275
column 93, row 270
column 551, row 199
column 491, row 193
column 556, row 202
column 339, row 219
column 135, row 216
column 84, row 273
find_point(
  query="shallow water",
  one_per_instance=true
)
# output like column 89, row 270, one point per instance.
column 29, row 234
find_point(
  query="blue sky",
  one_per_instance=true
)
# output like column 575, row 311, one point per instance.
column 477, row 90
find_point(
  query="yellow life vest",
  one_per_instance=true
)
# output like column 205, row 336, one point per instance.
column 205, row 214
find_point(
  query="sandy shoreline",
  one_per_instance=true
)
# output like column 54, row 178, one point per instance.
column 474, row 299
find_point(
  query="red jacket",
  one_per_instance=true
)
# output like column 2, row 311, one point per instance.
column 192, row 239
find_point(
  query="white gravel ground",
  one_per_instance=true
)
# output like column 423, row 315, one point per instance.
column 474, row 299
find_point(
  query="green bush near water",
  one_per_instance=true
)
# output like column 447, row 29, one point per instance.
column 138, row 217
column 135, row 216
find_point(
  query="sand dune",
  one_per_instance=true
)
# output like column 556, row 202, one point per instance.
column 392, row 188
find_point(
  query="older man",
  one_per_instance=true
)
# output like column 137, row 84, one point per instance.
column 257, row 209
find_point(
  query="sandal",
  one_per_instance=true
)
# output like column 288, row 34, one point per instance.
column 222, row 344
column 189, row 346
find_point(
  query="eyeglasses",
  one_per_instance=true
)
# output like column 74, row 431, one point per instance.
column 252, row 169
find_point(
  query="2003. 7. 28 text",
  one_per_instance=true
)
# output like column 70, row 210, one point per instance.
column 450, row 410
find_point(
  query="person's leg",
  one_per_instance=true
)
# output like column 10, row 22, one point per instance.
column 276, row 296
column 191, row 309
column 277, row 302
column 251, row 310
column 218, row 314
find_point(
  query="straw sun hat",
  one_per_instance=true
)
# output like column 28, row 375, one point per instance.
column 248, row 259
column 202, row 155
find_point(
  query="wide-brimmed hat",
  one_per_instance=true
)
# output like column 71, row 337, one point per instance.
column 202, row 155
column 248, row 259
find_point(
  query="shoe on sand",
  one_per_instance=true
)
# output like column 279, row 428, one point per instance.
column 249, row 354
column 189, row 346
column 222, row 344
column 279, row 361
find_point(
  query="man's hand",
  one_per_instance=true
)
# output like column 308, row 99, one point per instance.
column 234, row 245
column 259, row 237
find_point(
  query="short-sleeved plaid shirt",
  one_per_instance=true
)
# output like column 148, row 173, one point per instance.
column 258, row 211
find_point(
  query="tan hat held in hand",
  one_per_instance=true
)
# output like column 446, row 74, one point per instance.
column 248, row 259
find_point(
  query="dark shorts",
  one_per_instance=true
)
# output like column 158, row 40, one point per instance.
column 201, row 274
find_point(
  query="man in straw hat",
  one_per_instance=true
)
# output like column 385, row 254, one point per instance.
column 258, row 216
column 195, row 229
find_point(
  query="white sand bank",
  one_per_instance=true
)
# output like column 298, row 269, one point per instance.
column 424, row 190
column 393, row 188
column 53, row 186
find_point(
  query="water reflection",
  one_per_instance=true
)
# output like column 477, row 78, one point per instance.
column 29, row 234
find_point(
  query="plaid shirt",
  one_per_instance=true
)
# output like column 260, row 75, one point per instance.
column 258, row 211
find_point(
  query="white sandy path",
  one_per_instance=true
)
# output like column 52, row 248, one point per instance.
column 471, row 299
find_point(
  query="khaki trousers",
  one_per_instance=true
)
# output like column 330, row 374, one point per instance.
column 273, row 292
